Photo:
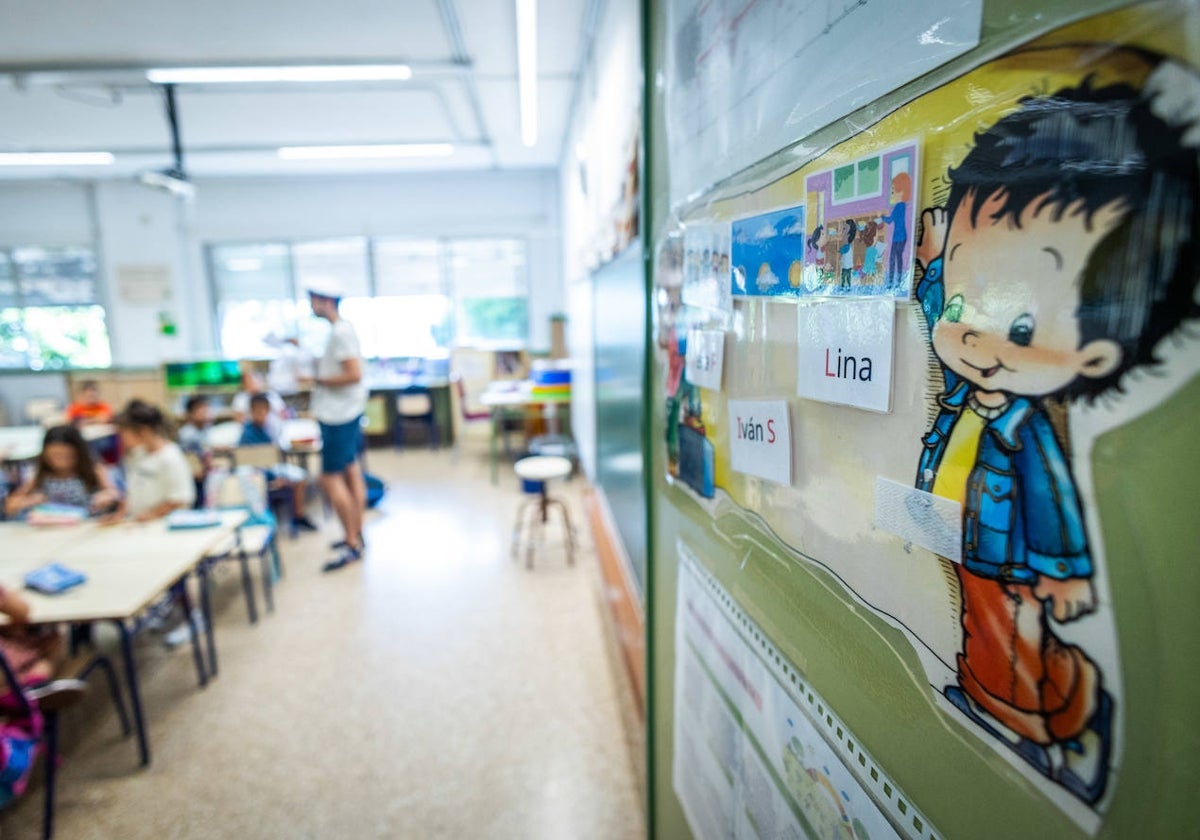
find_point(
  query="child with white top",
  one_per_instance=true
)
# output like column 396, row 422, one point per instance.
column 158, row 479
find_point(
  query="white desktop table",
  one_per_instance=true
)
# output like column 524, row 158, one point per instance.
column 128, row 566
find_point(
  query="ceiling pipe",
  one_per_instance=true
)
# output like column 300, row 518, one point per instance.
column 460, row 56
column 587, row 44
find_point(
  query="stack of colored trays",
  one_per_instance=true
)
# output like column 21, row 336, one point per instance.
column 551, row 385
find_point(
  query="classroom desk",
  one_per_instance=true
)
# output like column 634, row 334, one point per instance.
column 128, row 566
column 503, row 398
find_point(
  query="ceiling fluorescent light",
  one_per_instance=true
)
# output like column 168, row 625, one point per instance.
column 56, row 159
column 398, row 150
column 293, row 73
column 527, row 72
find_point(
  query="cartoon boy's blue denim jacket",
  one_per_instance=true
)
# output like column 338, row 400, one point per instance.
column 1022, row 516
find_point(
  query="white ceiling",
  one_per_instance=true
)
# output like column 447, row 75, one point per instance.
column 103, row 103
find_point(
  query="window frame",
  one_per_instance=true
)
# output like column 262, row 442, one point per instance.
column 445, row 272
column 98, row 300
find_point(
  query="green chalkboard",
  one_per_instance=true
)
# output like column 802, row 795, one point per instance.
column 619, row 310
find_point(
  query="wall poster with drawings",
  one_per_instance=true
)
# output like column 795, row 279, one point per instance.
column 1051, row 254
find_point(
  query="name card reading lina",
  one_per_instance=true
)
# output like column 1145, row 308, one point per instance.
column 845, row 352
column 760, row 439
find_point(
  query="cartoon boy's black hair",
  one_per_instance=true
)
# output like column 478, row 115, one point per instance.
column 1090, row 146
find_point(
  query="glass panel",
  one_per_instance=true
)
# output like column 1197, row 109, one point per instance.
column 14, row 344
column 400, row 326
column 55, row 276
column 66, row 336
column 250, row 329
column 251, row 272
column 340, row 261
column 408, row 267
column 496, row 322
column 488, row 267
column 490, row 290
column 8, row 283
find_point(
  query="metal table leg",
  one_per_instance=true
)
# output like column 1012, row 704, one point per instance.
column 206, row 611
column 135, row 695
column 185, row 601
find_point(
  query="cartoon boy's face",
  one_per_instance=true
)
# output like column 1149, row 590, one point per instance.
column 1011, row 316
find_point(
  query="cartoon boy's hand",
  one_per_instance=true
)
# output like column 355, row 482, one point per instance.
column 934, row 225
column 1071, row 598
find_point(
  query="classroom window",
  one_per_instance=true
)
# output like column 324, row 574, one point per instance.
column 407, row 297
column 413, row 306
column 50, row 315
column 861, row 179
column 255, row 298
column 491, row 292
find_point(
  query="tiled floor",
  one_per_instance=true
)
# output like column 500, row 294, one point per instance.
column 437, row 690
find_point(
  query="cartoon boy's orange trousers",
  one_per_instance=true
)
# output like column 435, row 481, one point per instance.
column 1016, row 668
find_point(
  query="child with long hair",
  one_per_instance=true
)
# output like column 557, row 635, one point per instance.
column 157, row 476
column 65, row 475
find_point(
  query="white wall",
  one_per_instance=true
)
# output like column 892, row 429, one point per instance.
column 132, row 225
column 596, row 152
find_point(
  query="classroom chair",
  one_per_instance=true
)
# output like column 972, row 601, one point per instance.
column 246, row 488
column 535, row 473
column 48, row 700
column 265, row 457
column 415, row 408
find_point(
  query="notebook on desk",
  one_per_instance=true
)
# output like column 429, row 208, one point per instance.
column 52, row 514
column 53, row 579
column 179, row 520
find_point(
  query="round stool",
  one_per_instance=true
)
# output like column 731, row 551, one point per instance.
column 535, row 472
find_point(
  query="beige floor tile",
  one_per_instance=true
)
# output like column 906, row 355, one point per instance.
column 436, row 690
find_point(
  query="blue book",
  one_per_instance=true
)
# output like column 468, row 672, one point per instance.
column 53, row 578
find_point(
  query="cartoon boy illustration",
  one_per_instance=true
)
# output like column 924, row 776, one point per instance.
column 1067, row 250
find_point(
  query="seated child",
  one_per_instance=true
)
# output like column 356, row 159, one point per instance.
column 257, row 432
column 252, row 384
column 158, row 479
column 88, row 408
column 34, row 653
column 65, row 475
column 193, row 440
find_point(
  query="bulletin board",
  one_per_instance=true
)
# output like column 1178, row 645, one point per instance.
column 967, row 550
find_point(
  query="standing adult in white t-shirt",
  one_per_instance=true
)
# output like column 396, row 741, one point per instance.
column 339, row 398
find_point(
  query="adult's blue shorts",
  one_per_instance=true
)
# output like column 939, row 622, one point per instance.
column 340, row 444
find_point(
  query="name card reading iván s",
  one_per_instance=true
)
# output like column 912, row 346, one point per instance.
column 760, row 439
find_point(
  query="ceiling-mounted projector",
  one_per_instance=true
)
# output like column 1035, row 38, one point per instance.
column 171, row 181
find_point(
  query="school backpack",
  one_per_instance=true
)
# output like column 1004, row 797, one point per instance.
column 375, row 488
column 20, row 742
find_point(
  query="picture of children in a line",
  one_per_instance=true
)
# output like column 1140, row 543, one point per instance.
column 1065, row 253
column 861, row 213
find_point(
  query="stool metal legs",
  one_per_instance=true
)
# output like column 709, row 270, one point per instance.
column 537, row 512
